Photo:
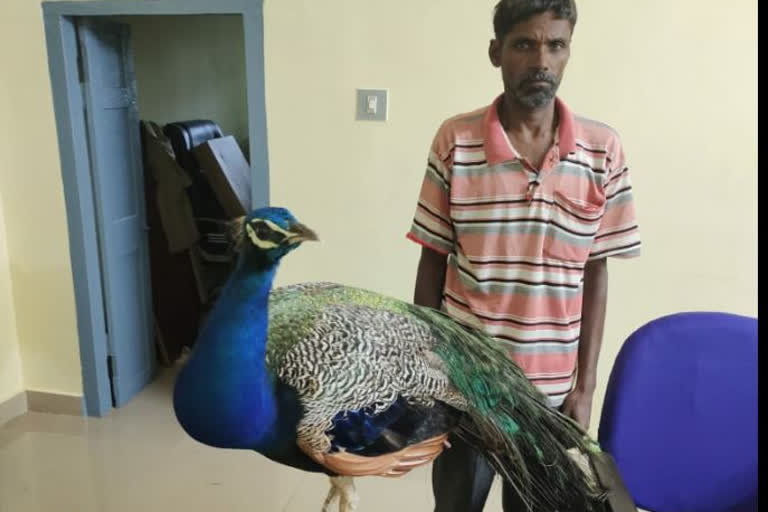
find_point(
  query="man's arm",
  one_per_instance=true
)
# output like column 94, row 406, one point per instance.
column 430, row 278
column 578, row 405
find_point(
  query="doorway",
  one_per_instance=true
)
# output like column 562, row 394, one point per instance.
column 97, row 104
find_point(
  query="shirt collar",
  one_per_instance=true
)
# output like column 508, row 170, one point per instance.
column 497, row 148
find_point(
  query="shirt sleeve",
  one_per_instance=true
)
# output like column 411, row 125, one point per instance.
column 432, row 226
column 618, row 234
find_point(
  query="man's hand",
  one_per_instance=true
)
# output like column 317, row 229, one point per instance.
column 578, row 405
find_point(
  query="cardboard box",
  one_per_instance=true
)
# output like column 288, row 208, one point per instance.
column 169, row 189
column 227, row 171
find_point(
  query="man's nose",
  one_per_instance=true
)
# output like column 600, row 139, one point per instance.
column 540, row 60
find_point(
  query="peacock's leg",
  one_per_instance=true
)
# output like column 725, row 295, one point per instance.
column 333, row 494
column 349, row 497
column 343, row 488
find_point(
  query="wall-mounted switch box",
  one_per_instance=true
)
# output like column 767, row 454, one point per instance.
column 372, row 104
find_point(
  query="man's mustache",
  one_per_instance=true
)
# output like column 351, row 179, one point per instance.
column 539, row 76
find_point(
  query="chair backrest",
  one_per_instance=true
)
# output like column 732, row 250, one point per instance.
column 680, row 414
column 187, row 135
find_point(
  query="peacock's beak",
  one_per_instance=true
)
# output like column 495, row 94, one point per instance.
column 301, row 233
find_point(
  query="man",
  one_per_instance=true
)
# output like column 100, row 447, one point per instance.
column 521, row 204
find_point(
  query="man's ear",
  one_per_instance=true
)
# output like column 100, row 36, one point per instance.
column 494, row 53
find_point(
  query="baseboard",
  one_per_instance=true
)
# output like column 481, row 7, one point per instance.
column 53, row 403
column 13, row 407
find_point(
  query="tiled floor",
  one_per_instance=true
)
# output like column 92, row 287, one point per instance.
column 138, row 459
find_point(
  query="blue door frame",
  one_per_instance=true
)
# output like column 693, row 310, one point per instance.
column 61, row 40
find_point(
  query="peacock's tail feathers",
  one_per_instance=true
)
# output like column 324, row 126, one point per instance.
column 523, row 438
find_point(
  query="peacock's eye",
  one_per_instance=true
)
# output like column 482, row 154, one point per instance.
column 262, row 231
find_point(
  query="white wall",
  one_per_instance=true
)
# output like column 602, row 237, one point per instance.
column 11, row 381
column 678, row 80
column 191, row 67
column 33, row 205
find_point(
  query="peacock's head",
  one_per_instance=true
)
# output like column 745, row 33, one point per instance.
column 268, row 234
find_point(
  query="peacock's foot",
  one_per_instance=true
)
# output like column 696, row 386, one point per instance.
column 343, row 490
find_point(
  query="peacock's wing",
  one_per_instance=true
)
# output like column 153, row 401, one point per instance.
column 362, row 367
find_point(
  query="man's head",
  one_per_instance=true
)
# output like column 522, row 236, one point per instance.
column 532, row 47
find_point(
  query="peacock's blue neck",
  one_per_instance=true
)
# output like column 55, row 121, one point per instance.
column 224, row 395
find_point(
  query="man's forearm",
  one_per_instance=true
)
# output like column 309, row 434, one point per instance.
column 430, row 279
column 592, row 322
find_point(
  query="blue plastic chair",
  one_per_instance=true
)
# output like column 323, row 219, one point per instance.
column 680, row 414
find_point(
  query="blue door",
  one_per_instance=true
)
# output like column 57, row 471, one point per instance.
column 109, row 92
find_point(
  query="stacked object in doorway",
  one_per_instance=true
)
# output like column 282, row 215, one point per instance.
column 201, row 183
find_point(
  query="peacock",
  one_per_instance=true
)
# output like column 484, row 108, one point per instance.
column 347, row 382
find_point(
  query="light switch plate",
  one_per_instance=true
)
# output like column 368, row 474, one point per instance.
column 382, row 104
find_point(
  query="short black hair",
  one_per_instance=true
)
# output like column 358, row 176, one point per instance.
column 509, row 13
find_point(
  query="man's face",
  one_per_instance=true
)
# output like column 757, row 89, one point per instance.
column 532, row 57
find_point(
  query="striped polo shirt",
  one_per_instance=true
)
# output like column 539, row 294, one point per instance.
column 518, row 238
